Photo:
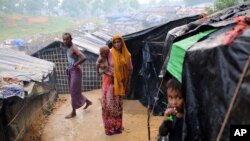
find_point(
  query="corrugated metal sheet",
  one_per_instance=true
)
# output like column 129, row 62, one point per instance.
column 90, row 42
column 15, row 64
column 103, row 35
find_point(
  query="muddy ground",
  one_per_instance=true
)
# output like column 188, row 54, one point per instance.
column 88, row 126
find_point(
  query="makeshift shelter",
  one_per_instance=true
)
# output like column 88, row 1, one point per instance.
column 210, row 59
column 27, row 89
column 146, row 48
column 56, row 52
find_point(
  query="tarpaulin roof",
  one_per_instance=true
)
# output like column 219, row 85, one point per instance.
column 178, row 52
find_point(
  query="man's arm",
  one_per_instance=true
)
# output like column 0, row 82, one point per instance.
column 81, row 56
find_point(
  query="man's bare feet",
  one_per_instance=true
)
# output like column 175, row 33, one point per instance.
column 71, row 115
column 88, row 103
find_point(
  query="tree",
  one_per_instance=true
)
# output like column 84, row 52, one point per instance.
column 34, row 7
column 10, row 5
column 193, row 2
column 222, row 4
column 96, row 7
column 152, row 2
column 134, row 4
column 5, row 5
column 51, row 4
column 75, row 8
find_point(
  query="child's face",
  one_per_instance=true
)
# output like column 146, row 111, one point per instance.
column 175, row 99
column 104, row 53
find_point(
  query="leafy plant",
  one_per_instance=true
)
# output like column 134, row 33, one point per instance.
column 222, row 4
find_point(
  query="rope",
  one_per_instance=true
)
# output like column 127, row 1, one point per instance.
column 233, row 99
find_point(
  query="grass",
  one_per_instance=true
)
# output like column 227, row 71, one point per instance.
column 19, row 26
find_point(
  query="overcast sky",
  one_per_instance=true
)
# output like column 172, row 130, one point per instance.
column 145, row 1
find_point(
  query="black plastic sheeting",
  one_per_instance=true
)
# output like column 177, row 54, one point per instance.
column 211, row 73
column 2, row 121
column 146, row 48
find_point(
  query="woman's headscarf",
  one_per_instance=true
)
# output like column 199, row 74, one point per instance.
column 121, row 67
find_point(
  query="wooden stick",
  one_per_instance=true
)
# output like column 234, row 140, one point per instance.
column 149, row 123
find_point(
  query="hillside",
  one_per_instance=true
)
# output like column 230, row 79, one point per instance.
column 21, row 26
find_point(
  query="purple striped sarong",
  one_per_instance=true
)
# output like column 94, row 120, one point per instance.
column 75, row 83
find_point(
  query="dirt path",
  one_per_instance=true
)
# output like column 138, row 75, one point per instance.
column 87, row 125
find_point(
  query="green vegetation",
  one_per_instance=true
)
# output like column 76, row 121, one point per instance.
column 71, row 8
column 222, row 4
column 18, row 26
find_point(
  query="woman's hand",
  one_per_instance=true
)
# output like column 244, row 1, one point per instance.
column 111, row 79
